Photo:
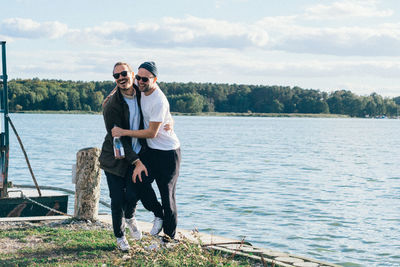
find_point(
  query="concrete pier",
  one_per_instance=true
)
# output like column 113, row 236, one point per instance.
column 267, row 257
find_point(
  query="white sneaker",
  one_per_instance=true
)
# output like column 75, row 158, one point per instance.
column 133, row 228
column 157, row 226
column 123, row 244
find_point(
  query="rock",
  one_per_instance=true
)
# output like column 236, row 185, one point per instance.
column 87, row 188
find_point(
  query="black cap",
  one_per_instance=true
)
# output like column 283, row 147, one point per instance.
column 150, row 66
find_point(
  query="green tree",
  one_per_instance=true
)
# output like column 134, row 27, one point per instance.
column 188, row 103
column 238, row 100
column 391, row 107
column 61, row 101
column 95, row 100
column 74, row 100
column 36, row 94
column 312, row 101
column 380, row 107
column 370, row 107
column 345, row 102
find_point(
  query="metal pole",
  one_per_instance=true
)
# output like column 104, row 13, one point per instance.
column 4, row 102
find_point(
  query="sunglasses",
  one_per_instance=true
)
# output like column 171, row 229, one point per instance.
column 123, row 74
column 144, row 79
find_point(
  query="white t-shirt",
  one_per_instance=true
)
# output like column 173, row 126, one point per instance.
column 155, row 108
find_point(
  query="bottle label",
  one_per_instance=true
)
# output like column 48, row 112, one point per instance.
column 119, row 152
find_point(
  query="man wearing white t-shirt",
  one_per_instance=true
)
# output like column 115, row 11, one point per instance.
column 164, row 156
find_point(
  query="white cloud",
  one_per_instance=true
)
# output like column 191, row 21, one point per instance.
column 27, row 28
column 381, row 40
column 279, row 33
column 290, row 35
column 195, row 32
column 312, row 68
column 340, row 9
column 6, row 38
column 106, row 34
column 270, row 33
column 172, row 32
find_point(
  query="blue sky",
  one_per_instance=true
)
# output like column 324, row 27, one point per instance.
column 314, row 44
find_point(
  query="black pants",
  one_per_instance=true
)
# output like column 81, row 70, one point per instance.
column 146, row 193
column 163, row 166
column 124, row 197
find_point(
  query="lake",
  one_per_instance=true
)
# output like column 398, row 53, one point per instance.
column 325, row 188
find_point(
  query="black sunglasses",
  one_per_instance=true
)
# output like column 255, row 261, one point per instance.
column 144, row 79
column 123, row 73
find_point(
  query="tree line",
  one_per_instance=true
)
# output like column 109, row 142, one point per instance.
column 60, row 95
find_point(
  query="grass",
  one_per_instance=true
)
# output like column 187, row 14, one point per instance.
column 49, row 246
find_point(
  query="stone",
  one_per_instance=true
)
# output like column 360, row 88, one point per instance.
column 87, row 186
column 306, row 264
column 248, row 249
column 290, row 260
column 271, row 253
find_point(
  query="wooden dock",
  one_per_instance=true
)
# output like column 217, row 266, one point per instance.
column 27, row 202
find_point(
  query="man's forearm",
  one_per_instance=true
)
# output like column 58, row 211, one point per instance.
column 146, row 133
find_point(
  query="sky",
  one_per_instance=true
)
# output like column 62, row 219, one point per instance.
column 314, row 44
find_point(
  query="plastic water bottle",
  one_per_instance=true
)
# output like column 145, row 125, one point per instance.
column 119, row 152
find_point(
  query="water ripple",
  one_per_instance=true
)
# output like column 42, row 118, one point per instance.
column 323, row 188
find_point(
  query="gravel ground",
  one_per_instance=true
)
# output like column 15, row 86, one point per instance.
column 68, row 223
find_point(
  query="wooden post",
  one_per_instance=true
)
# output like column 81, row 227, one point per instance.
column 87, row 184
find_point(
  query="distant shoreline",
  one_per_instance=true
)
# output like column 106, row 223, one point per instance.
column 214, row 114
column 217, row 114
column 56, row 112
column 237, row 114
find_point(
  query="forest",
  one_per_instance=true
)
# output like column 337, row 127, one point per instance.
column 59, row 95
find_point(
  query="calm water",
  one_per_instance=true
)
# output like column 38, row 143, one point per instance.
column 322, row 188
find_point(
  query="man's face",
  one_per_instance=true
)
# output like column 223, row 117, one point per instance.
column 147, row 75
column 123, row 82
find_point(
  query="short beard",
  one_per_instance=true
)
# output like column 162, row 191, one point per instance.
column 123, row 89
column 145, row 88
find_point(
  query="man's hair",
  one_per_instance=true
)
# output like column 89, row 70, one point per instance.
column 123, row 63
